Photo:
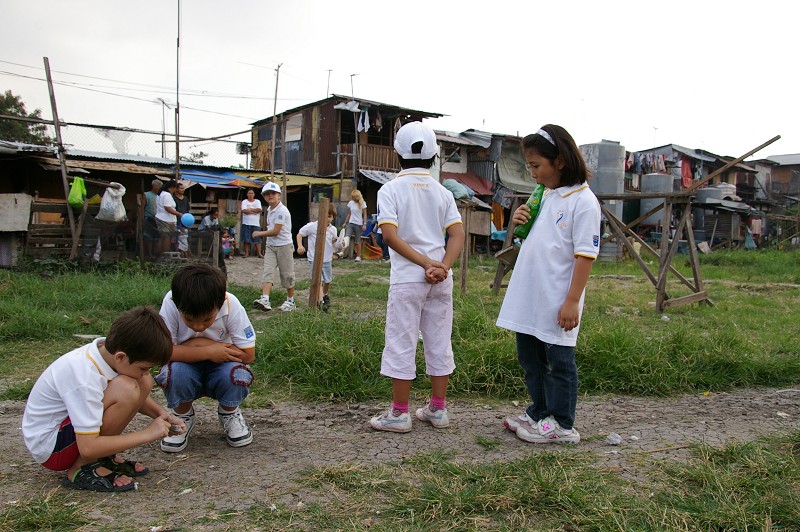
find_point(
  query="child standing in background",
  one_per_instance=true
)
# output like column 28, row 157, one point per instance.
column 356, row 222
column 227, row 244
column 416, row 211
column 544, row 299
column 279, row 251
column 310, row 231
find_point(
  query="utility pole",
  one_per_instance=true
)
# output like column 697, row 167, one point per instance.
column 177, row 100
column 352, row 93
column 164, row 106
column 328, row 88
column 274, row 122
column 62, row 159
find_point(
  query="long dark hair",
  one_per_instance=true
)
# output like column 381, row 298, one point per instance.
column 562, row 147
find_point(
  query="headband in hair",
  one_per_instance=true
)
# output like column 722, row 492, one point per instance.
column 546, row 136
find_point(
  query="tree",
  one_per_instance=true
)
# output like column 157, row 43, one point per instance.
column 17, row 130
column 195, row 157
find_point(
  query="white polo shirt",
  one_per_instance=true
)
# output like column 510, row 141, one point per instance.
column 310, row 231
column 232, row 326
column 568, row 226
column 72, row 386
column 279, row 215
column 422, row 210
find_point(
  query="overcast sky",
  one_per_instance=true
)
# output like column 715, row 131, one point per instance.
column 716, row 75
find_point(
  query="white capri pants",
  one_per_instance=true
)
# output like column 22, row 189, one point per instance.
column 415, row 308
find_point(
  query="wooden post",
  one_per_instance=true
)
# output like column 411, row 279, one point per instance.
column 319, row 254
column 503, row 267
column 465, row 250
column 62, row 158
column 215, row 247
column 283, row 158
column 732, row 163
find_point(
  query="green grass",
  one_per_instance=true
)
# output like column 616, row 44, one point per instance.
column 51, row 511
column 624, row 346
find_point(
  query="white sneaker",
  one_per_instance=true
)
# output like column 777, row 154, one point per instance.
column 358, row 259
column 288, row 306
column 392, row 421
column 262, row 303
column 437, row 418
column 524, row 420
column 177, row 443
column 548, row 431
column 237, row 432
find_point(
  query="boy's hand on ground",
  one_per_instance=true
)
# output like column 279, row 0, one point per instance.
column 176, row 424
column 159, row 428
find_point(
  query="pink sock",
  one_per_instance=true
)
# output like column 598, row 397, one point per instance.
column 437, row 403
column 402, row 407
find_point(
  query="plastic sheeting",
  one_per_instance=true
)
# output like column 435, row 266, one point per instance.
column 511, row 169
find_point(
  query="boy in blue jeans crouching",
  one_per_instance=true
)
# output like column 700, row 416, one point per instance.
column 214, row 343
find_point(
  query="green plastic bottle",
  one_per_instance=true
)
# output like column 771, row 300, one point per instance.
column 533, row 203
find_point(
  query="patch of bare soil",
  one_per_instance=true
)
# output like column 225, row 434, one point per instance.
column 210, row 477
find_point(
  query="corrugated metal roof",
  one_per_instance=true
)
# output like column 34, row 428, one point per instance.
column 120, row 157
column 12, row 147
column 689, row 152
column 455, row 138
column 378, row 176
column 481, row 138
column 788, row 159
column 362, row 103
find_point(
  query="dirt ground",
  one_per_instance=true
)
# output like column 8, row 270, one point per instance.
column 209, row 476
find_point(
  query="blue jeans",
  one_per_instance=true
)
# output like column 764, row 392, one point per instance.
column 382, row 243
column 551, row 377
column 183, row 382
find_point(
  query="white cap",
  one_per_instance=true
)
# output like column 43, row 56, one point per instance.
column 415, row 132
column 271, row 187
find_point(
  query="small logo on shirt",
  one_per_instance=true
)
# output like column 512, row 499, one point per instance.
column 595, row 240
column 221, row 332
column 420, row 185
column 248, row 332
column 559, row 223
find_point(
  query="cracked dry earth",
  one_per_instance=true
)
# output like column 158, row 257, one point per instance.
column 209, row 476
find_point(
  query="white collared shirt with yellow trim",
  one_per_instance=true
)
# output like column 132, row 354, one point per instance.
column 72, row 386
column 568, row 226
column 232, row 326
column 422, row 210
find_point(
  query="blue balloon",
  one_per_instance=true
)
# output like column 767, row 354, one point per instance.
column 187, row 219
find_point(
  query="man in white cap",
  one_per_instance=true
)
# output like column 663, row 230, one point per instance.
column 415, row 213
column 279, row 250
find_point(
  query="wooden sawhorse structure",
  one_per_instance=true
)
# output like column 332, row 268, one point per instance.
column 667, row 248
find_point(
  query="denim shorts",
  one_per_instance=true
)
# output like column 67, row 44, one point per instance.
column 183, row 382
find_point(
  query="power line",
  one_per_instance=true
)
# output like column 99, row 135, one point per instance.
column 161, row 88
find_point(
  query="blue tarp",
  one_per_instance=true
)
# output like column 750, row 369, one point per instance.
column 224, row 179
